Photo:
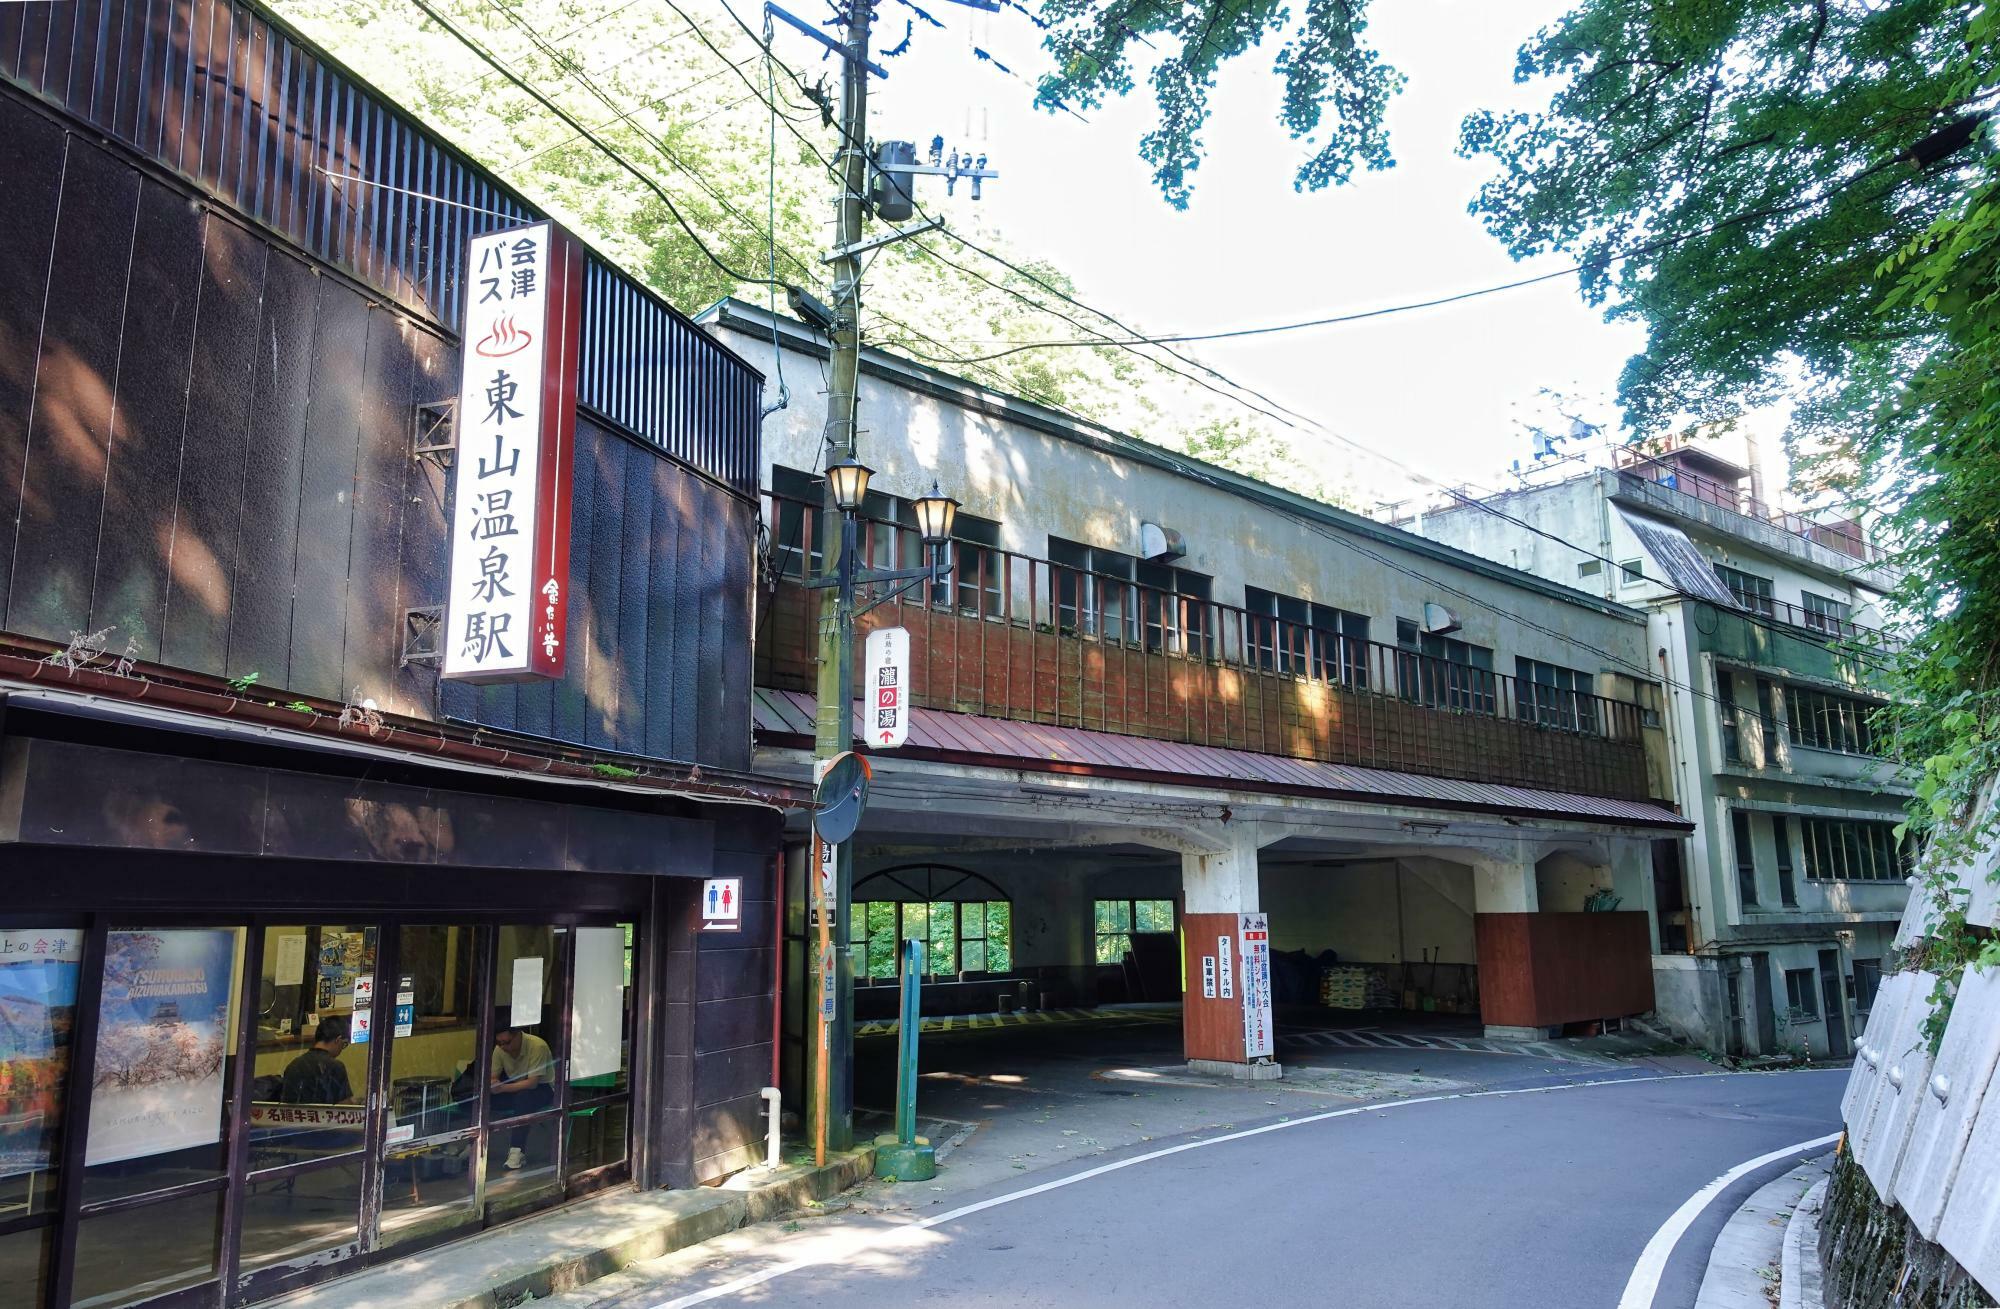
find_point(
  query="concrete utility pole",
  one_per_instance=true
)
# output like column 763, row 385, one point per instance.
column 832, row 1086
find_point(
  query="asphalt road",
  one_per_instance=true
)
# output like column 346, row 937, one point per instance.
column 1535, row 1198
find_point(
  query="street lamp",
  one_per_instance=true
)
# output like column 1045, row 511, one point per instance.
column 847, row 486
column 849, row 480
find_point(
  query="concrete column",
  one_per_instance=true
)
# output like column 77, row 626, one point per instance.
column 1219, row 886
column 1223, row 879
column 1632, row 882
column 1504, row 884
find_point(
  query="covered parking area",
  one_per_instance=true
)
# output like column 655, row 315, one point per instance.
column 1053, row 870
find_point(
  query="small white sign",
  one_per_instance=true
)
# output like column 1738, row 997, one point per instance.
column 289, row 969
column 887, row 709
column 1223, row 971
column 722, row 904
column 360, row 1026
column 364, row 991
column 401, row 1132
column 1208, row 977
column 525, row 1007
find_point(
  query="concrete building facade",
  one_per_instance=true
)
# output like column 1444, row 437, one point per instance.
column 1157, row 696
column 1765, row 630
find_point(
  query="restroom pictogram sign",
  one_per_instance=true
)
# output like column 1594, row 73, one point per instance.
column 722, row 904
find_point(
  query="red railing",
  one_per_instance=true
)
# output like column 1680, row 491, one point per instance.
column 1017, row 637
column 1843, row 536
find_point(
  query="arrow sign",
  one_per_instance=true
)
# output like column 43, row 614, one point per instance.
column 887, row 687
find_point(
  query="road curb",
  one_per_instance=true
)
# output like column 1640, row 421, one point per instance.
column 1749, row 1251
column 568, row 1248
column 1799, row 1286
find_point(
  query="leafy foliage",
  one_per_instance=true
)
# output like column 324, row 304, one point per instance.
column 683, row 94
column 1808, row 189
column 1323, row 60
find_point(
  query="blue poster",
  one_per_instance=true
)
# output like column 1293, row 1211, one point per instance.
column 162, row 1033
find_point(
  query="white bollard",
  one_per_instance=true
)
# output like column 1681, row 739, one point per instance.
column 773, row 1098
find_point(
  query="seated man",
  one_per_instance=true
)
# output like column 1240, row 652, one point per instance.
column 523, row 1069
column 318, row 1076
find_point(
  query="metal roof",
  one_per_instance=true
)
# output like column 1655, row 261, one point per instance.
column 1688, row 570
column 782, row 717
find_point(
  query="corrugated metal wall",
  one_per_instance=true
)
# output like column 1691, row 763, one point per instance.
column 205, row 447
column 218, row 93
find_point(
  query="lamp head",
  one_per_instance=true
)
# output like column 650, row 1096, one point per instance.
column 936, row 513
column 849, row 480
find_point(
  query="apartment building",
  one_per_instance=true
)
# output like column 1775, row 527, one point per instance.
column 1765, row 628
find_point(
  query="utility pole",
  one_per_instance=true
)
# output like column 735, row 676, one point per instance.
column 831, row 1047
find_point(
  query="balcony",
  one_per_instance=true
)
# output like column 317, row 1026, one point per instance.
column 1020, row 638
column 1842, row 536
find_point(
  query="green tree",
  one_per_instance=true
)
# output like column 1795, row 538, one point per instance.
column 1787, row 190
column 1336, row 87
column 682, row 93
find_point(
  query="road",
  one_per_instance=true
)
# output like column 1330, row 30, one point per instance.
column 1510, row 1198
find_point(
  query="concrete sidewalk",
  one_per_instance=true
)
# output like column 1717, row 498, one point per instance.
column 559, row 1251
column 1744, row 1266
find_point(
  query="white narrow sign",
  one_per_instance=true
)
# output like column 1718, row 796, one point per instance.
column 888, row 688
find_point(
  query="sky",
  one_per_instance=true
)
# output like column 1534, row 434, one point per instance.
column 1442, row 388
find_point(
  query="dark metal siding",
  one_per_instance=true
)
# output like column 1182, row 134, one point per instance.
column 219, row 93
column 208, row 443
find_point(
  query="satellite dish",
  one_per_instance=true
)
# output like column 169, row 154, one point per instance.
column 841, row 797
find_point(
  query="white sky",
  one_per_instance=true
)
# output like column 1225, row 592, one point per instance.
column 1437, row 387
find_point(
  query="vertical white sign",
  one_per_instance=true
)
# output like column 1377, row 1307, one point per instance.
column 525, row 996
column 506, row 611
column 722, row 904
column 1254, row 933
column 1223, row 970
column 1208, row 977
column 888, row 687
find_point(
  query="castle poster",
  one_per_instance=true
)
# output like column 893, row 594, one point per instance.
column 161, row 1034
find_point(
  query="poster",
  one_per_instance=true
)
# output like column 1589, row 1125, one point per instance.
column 162, row 1029
column 39, row 968
column 1255, row 932
column 525, row 1002
column 597, row 1013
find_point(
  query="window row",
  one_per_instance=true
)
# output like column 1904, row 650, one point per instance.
column 1830, row 722
column 959, row 936
column 1855, row 850
column 1820, row 720
column 1114, row 922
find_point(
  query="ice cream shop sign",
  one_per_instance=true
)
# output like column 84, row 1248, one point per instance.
column 506, row 615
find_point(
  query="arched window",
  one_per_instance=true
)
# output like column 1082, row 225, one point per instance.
column 965, row 922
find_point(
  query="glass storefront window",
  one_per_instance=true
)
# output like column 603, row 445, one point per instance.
column 527, row 978
column 299, row 1214
column 39, row 970
column 597, row 1135
column 428, row 1189
column 434, row 1046
column 166, row 1042
column 521, row 1167
column 309, row 1077
column 129, row 1255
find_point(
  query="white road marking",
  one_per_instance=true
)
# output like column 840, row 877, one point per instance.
column 865, row 1241
column 1644, row 1283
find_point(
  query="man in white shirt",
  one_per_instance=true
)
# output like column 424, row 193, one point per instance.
column 522, row 1083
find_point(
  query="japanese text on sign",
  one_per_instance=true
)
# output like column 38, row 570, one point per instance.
column 507, row 609
column 1254, row 931
column 888, row 674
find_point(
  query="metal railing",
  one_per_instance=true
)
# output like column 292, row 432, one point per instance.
column 1842, row 536
column 1065, row 621
column 1814, row 621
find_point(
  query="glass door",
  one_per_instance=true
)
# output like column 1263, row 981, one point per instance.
column 304, row 1131
column 431, row 1155
column 524, row 1080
